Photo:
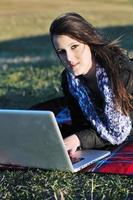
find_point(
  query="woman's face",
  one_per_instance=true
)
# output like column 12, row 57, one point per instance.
column 75, row 56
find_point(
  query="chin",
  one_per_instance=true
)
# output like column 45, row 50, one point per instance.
column 77, row 73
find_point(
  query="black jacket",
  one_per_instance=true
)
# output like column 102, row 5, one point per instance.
column 80, row 125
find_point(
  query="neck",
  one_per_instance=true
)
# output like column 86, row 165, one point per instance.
column 91, row 74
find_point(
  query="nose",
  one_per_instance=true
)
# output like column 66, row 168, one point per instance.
column 70, row 56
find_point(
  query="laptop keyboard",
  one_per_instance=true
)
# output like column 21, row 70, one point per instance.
column 76, row 160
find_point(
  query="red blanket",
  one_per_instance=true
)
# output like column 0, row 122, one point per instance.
column 119, row 162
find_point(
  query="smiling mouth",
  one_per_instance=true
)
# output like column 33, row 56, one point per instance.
column 73, row 66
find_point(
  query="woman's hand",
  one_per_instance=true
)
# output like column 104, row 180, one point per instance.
column 72, row 143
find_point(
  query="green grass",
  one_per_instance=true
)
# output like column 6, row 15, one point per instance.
column 24, row 86
column 39, row 184
column 30, row 74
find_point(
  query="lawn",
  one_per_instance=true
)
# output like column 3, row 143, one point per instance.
column 30, row 73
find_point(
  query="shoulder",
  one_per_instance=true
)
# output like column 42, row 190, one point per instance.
column 126, row 75
column 126, row 67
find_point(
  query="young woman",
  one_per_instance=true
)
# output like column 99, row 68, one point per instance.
column 97, row 83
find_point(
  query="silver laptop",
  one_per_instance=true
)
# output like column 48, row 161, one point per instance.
column 33, row 139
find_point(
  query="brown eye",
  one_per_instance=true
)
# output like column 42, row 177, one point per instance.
column 74, row 46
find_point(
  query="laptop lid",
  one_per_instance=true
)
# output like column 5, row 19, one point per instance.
column 32, row 139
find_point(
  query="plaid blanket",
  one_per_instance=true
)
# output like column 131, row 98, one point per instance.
column 120, row 161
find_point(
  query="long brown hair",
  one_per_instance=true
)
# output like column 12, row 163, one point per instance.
column 107, row 53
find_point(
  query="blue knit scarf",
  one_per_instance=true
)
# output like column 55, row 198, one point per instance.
column 112, row 125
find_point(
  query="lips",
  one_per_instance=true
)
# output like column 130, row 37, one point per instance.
column 73, row 65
